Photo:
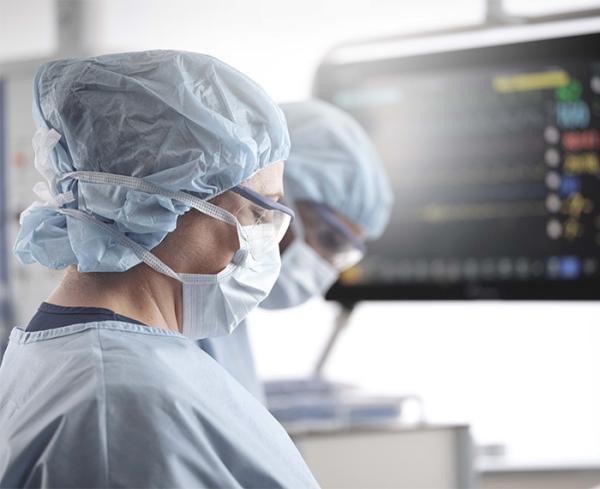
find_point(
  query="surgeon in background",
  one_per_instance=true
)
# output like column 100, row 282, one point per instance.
column 163, row 171
column 335, row 182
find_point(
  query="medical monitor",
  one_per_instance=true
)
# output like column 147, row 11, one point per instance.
column 493, row 154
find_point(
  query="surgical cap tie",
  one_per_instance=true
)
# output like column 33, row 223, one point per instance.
column 142, row 185
column 142, row 253
column 44, row 141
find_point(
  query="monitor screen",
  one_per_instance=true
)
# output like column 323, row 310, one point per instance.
column 493, row 156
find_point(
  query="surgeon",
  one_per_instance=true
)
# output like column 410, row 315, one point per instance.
column 335, row 181
column 163, row 176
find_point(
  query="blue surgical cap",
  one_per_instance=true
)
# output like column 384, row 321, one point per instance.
column 333, row 162
column 183, row 121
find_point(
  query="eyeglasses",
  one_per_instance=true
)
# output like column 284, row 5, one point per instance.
column 331, row 237
column 274, row 217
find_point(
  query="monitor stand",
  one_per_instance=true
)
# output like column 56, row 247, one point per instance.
column 341, row 322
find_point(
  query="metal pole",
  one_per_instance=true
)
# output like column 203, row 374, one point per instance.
column 341, row 322
column 495, row 14
column 73, row 36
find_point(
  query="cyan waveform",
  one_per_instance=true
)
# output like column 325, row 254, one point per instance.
column 572, row 115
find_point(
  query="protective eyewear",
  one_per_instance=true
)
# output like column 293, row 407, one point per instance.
column 274, row 217
column 333, row 239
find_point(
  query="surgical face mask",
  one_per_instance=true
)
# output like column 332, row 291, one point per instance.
column 213, row 304
column 304, row 275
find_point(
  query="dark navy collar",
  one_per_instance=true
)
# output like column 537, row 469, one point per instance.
column 51, row 316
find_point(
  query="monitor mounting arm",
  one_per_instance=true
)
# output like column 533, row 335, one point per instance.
column 496, row 15
column 341, row 323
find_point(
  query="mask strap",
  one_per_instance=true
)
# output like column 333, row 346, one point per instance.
column 135, row 183
column 142, row 253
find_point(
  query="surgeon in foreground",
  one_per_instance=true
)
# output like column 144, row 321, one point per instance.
column 163, row 170
column 335, row 181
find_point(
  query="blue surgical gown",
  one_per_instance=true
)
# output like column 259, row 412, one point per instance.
column 234, row 353
column 116, row 404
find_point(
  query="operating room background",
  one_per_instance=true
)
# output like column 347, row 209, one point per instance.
column 524, row 375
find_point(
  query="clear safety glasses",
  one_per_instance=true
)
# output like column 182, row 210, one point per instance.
column 274, row 218
column 331, row 237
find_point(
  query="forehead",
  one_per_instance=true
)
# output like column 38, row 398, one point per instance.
column 268, row 181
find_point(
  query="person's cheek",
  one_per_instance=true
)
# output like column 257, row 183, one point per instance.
column 225, row 244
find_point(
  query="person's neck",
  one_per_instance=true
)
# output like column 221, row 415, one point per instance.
column 139, row 293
